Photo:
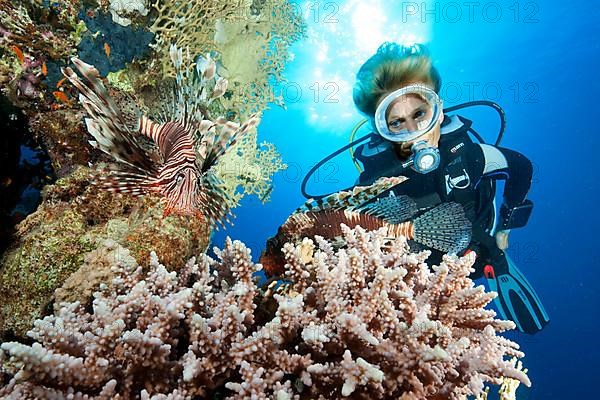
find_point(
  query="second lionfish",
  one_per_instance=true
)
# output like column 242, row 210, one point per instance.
column 444, row 227
column 186, row 143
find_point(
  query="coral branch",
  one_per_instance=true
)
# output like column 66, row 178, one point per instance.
column 368, row 321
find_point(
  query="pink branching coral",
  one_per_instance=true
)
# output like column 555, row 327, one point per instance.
column 370, row 320
column 382, row 324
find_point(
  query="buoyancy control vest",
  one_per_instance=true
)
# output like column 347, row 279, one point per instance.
column 458, row 178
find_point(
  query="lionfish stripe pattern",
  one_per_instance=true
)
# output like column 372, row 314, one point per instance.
column 186, row 146
column 443, row 228
column 229, row 138
column 105, row 122
column 350, row 199
column 393, row 209
column 327, row 224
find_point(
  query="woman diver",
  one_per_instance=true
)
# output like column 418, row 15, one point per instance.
column 397, row 90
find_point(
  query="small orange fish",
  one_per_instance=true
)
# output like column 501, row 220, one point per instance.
column 44, row 69
column 59, row 83
column 62, row 97
column 19, row 53
column 107, row 50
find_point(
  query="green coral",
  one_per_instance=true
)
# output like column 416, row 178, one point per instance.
column 189, row 25
column 252, row 40
column 31, row 272
column 120, row 80
column 255, row 52
column 250, row 167
column 79, row 29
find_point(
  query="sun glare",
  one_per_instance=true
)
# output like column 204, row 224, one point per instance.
column 341, row 36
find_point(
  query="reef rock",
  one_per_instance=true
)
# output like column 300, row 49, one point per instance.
column 73, row 218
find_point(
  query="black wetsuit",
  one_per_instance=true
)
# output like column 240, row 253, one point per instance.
column 465, row 175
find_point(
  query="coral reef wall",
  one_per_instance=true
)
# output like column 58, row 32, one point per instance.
column 73, row 218
column 129, row 42
column 371, row 320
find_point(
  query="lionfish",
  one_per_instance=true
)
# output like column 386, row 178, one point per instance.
column 185, row 143
column 444, row 228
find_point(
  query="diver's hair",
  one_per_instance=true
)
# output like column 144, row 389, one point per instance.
column 392, row 67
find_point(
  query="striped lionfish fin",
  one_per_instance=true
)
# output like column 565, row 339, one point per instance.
column 124, row 181
column 227, row 137
column 172, row 138
column 325, row 223
column 149, row 128
column 393, row 209
column 206, row 130
column 105, row 122
column 351, row 199
column 445, row 228
column 213, row 201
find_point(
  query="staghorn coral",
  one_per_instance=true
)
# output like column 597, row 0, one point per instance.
column 368, row 321
column 426, row 331
column 508, row 387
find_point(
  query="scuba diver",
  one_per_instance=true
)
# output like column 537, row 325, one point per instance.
column 397, row 90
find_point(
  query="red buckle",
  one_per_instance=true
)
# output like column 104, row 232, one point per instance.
column 488, row 272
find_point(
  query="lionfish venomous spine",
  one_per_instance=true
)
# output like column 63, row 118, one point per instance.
column 186, row 145
column 349, row 199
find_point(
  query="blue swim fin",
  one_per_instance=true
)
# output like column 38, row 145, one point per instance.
column 516, row 299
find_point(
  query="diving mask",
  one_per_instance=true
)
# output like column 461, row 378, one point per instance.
column 408, row 113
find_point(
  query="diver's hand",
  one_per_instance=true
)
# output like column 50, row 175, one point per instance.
column 502, row 239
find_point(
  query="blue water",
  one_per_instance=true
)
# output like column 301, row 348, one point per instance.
column 540, row 62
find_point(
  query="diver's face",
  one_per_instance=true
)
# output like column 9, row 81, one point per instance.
column 411, row 112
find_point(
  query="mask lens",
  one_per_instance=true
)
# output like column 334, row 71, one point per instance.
column 408, row 113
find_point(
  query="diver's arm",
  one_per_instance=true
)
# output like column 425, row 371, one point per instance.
column 501, row 163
